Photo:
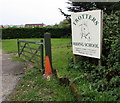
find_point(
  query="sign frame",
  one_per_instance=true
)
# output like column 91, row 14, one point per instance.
column 87, row 33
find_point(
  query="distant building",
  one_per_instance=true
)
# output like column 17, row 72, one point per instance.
column 34, row 25
column 1, row 26
column 7, row 26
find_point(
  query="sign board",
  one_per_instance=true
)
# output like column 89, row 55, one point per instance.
column 87, row 33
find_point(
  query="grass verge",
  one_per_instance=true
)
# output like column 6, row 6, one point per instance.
column 34, row 88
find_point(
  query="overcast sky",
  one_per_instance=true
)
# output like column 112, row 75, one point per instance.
column 17, row 12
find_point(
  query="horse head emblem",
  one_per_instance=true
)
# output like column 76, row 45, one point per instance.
column 84, row 32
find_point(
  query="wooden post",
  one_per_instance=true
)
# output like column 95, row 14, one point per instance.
column 18, row 43
column 76, row 58
column 99, row 62
column 47, row 38
column 42, row 56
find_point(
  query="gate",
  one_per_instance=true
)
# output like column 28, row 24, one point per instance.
column 31, row 51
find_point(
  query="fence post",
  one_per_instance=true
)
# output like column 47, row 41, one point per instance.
column 48, row 53
column 76, row 58
column 42, row 56
column 18, row 47
column 99, row 62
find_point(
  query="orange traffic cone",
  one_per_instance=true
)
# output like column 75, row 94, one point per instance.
column 48, row 69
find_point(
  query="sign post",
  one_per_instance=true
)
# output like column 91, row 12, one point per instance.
column 87, row 33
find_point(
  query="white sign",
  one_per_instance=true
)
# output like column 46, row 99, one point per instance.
column 87, row 33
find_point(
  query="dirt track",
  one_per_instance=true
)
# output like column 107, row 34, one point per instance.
column 11, row 74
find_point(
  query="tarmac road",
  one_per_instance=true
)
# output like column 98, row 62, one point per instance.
column 10, row 74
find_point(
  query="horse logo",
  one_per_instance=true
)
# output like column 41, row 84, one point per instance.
column 84, row 32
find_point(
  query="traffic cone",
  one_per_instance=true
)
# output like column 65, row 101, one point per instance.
column 48, row 69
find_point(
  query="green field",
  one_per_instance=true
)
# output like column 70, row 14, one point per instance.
column 61, row 50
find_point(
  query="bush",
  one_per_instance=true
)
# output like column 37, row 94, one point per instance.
column 13, row 32
column 103, row 81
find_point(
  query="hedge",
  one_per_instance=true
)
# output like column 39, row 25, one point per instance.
column 14, row 32
column 102, row 83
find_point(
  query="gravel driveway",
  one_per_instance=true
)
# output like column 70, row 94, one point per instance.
column 10, row 74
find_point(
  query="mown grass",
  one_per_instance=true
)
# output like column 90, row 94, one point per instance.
column 33, row 87
column 9, row 45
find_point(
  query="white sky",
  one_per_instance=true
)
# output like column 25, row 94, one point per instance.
column 17, row 12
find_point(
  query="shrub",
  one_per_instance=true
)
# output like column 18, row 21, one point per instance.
column 102, row 80
column 13, row 32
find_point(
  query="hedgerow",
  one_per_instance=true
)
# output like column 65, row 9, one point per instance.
column 101, row 83
column 37, row 32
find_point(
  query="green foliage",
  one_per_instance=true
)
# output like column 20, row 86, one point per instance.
column 12, row 33
column 101, row 83
column 65, row 23
column 108, row 7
